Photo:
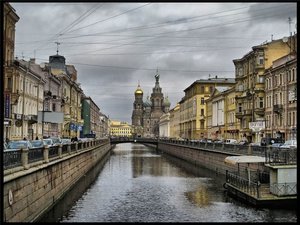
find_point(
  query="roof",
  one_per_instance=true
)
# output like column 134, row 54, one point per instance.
column 244, row 159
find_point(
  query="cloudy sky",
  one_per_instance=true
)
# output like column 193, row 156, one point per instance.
column 115, row 46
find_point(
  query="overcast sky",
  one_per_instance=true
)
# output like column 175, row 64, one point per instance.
column 114, row 46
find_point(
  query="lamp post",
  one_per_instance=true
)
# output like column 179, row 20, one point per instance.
column 250, row 96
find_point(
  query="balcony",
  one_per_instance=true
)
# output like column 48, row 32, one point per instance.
column 239, row 115
column 260, row 111
column 247, row 112
column 15, row 97
column 278, row 108
column 32, row 119
column 202, row 117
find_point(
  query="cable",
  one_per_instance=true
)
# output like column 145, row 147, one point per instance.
column 110, row 17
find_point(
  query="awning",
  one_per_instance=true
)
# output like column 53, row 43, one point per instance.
column 244, row 159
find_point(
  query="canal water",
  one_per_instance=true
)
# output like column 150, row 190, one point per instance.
column 138, row 184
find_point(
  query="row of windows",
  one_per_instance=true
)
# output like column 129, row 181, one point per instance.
column 279, row 79
column 278, row 120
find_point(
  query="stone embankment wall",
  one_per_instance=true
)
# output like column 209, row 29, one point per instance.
column 210, row 159
column 30, row 193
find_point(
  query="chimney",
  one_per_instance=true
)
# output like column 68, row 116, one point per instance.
column 32, row 60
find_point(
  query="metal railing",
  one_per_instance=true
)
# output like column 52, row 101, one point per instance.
column 25, row 157
column 243, row 184
column 273, row 155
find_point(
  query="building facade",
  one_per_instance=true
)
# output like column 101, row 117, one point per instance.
column 193, row 121
column 281, row 98
column 120, row 129
column 175, row 122
column 11, row 94
column 91, row 118
column 250, row 87
column 220, row 109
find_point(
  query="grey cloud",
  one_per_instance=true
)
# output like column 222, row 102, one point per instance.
column 111, row 86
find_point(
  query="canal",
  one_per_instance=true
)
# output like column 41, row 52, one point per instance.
column 138, row 184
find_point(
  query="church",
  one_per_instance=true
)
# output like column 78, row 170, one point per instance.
column 146, row 114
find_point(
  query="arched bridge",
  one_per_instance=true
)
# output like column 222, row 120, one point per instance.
column 117, row 140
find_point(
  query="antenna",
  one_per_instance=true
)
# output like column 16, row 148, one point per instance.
column 57, row 43
column 290, row 22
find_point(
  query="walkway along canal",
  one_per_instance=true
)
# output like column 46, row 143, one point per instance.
column 139, row 184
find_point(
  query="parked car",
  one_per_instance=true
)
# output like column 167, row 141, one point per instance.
column 230, row 141
column 255, row 144
column 276, row 145
column 266, row 141
column 289, row 144
column 242, row 143
column 65, row 141
column 37, row 144
column 15, row 145
column 56, row 140
column 48, row 141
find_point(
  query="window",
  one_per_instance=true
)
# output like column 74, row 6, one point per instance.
column 260, row 60
column 202, row 90
column 211, row 89
column 202, row 112
column 261, row 102
column 202, row 101
column 201, row 124
column 9, row 83
column 240, row 107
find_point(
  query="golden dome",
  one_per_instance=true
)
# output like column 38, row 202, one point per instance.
column 138, row 90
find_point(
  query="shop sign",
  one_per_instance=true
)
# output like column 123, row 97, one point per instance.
column 7, row 106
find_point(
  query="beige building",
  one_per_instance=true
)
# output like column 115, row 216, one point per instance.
column 175, row 122
column 11, row 92
column 71, row 94
column 29, row 84
column 281, row 96
column 193, row 107
column 164, row 125
column 120, row 129
column 250, row 86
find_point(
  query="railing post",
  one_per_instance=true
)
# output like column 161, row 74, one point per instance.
column 69, row 148
column 76, row 146
column 249, row 150
column 46, row 153
column 60, row 150
column 24, row 158
column 257, row 189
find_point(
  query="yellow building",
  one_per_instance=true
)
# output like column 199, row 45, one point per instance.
column 175, row 122
column 250, row 86
column 120, row 129
column 220, row 110
column 193, row 107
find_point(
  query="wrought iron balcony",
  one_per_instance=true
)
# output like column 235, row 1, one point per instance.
column 278, row 108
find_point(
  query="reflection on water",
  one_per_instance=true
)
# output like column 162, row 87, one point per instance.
column 138, row 184
column 199, row 197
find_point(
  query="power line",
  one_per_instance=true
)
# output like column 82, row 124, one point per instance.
column 140, row 68
column 110, row 17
